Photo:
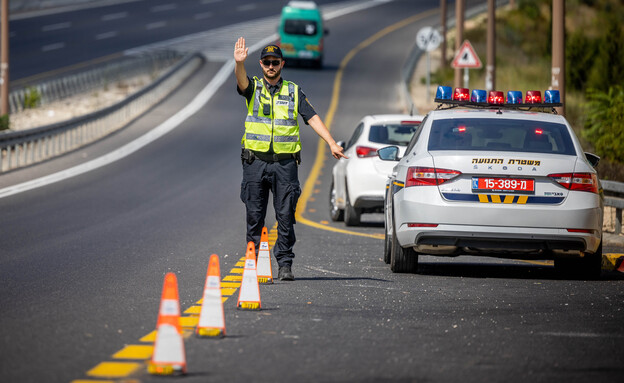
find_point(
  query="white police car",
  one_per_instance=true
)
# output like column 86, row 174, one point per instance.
column 489, row 177
column 358, row 183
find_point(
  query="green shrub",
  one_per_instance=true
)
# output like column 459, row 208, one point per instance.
column 32, row 98
column 4, row 122
column 605, row 118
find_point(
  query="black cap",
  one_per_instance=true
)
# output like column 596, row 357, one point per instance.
column 271, row 50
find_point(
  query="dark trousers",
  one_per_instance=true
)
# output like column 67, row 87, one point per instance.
column 282, row 179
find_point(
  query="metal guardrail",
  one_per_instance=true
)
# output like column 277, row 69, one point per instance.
column 59, row 88
column 22, row 148
column 614, row 197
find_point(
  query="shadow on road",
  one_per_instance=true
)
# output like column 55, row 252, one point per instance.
column 529, row 271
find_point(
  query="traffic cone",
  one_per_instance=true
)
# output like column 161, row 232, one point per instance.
column 249, row 293
column 265, row 275
column 168, row 356
column 211, row 319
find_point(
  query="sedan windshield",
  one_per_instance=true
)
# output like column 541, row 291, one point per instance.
column 392, row 134
column 487, row 134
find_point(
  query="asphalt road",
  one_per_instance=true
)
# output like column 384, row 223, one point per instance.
column 52, row 41
column 82, row 261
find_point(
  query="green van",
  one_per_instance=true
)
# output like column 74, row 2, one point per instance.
column 301, row 32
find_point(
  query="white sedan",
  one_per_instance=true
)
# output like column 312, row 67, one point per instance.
column 359, row 182
column 498, row 180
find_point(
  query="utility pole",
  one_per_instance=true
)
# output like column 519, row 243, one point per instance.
column 443, row 24
column 4, row 58
column 558, row 51
column 490, row 67
column 459, row 38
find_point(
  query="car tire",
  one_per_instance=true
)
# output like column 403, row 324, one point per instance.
column 352, row 215
column 588, row 267
column 335, row 213
column 402, row 260
column 387, row 247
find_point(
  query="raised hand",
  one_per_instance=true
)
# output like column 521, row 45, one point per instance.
column 240, row 51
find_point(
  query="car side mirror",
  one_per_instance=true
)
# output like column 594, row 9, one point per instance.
column 389, row 153
column 592, row 158
column 341, row 144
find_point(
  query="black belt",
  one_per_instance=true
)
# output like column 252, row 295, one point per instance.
column 274, row 157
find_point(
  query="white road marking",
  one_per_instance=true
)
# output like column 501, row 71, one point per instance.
column 52, row 47
column 106, row 35
column 202, row 16
column 114, row 16
column 56, row 27
column 163, row 7
column 155, row 25
column 209, row 1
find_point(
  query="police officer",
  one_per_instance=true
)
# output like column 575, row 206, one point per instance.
column 271, row 148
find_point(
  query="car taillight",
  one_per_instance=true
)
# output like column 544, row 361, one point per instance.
column 365, row 151
column 577, row 181
column 413, row 224
column 421, row 176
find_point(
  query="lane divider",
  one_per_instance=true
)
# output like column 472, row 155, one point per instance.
column 308, row 188
column 133, row 358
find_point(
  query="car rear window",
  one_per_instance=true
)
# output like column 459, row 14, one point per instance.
column 300, row 27
column 495, row 135
column 392, row 134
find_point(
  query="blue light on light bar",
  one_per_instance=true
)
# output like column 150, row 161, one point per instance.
column 478, row 95
column 552, row 97
column 514, row 97
column 444, row 92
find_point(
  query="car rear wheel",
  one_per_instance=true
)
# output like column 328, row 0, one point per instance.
column 335, row 212
column 387, row 247
column 588, row 267
column 352, row 215
column 402, row 260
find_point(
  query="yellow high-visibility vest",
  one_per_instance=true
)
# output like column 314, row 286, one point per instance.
column 279, row 125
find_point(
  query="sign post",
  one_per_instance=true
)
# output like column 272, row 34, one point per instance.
column 466, row 58
column 428, row 39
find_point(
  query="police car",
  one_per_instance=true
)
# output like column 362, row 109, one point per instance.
column 495, row 177
column 358, row 182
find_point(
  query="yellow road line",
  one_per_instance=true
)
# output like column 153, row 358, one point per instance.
column 308, row 187
column 134, row 351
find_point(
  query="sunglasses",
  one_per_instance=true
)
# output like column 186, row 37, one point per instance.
column 269, row 62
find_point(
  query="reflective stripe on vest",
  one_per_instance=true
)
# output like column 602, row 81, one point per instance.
column 282, row 125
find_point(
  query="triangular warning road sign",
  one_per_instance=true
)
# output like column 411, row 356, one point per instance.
column 466, row 57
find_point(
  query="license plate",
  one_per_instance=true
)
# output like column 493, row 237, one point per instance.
column 306, row 54
column 503, row 185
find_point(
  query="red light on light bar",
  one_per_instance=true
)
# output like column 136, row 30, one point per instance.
column 496, row 97
column 461, row 94
column 533, row 97
column 422, row 225
column 410, row 122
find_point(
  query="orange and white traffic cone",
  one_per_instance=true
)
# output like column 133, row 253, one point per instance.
column 211, row 319
column 168, row 356
column 249, row 293
column 265, row 274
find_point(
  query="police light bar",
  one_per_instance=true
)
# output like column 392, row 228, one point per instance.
column 479, row 97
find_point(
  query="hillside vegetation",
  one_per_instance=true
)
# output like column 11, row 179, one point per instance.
column 594, row 67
